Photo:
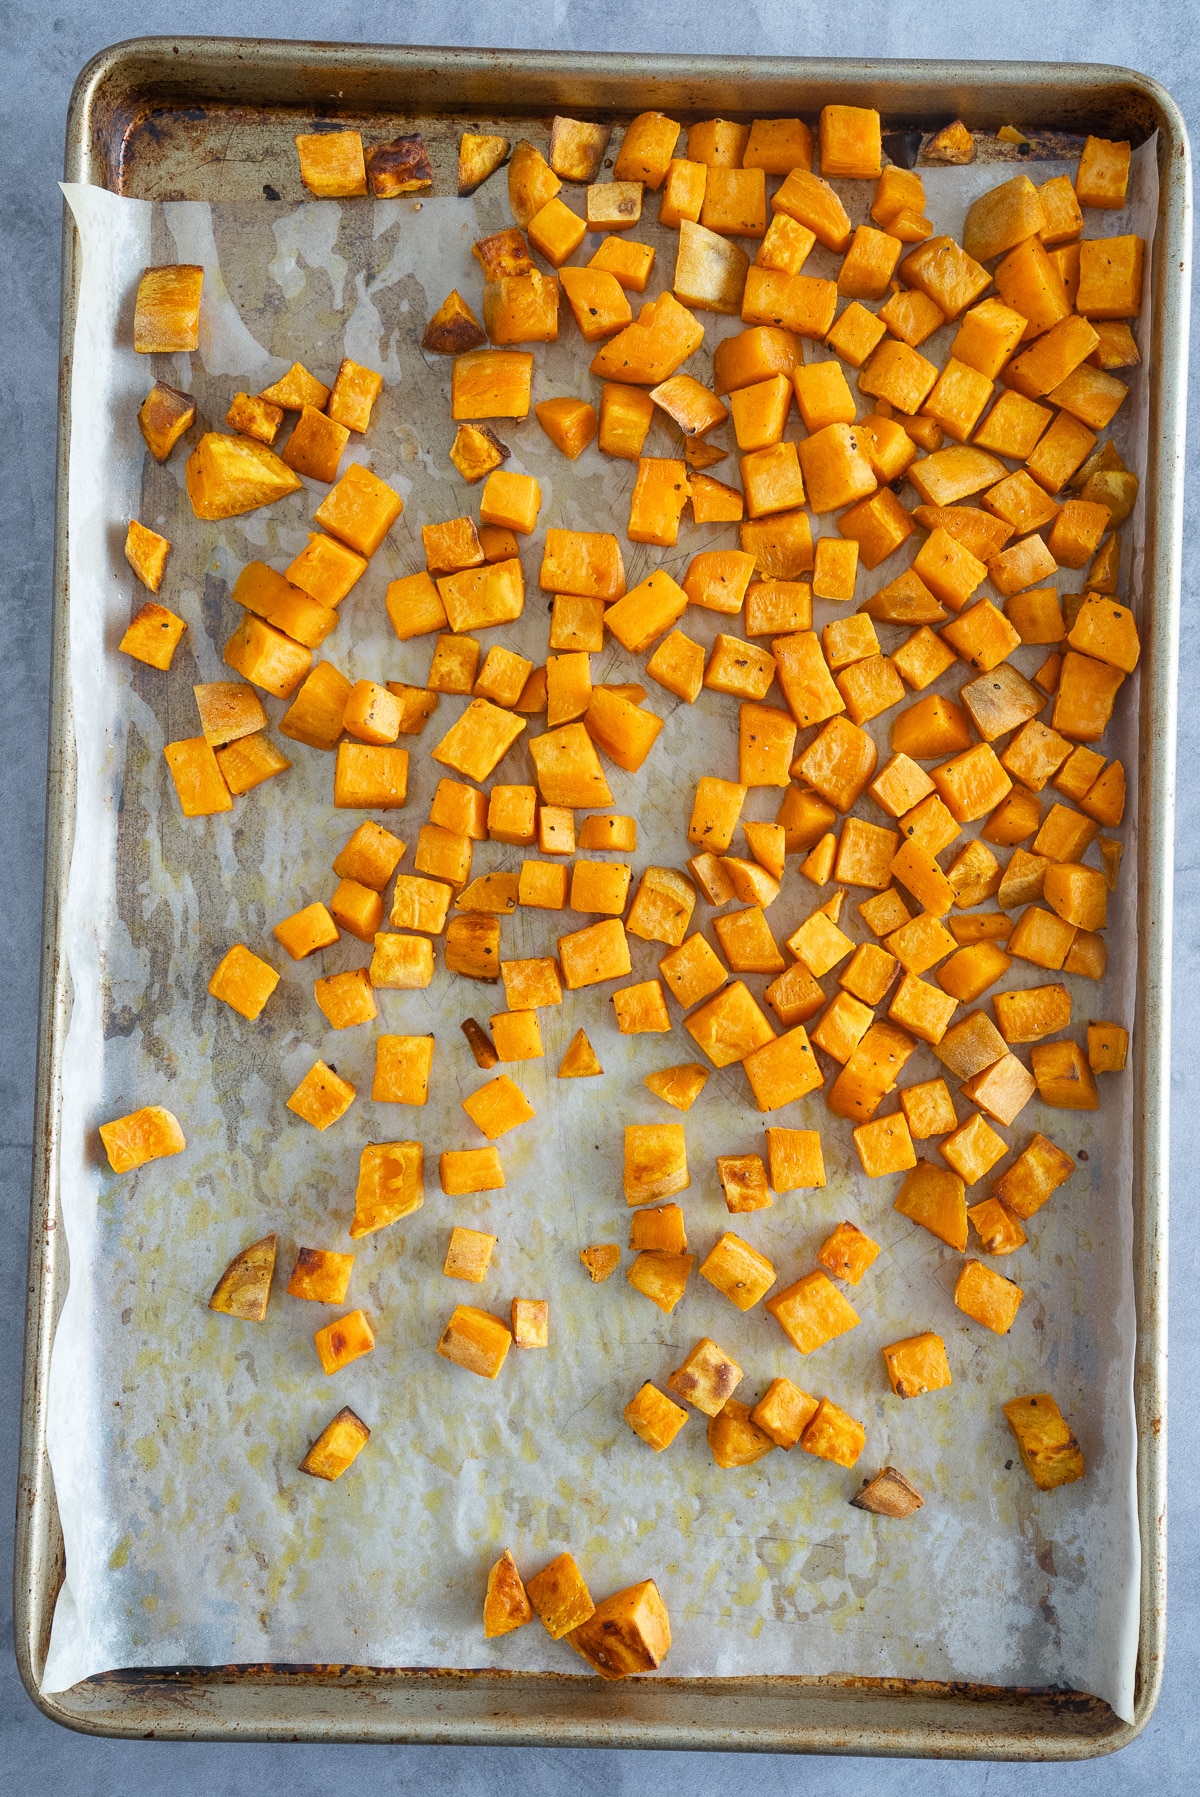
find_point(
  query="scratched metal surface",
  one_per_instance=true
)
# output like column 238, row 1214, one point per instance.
column 257, row 164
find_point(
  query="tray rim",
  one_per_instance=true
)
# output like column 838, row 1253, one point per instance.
column 147, row 1702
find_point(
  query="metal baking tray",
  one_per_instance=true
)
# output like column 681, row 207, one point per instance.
column 163, row 118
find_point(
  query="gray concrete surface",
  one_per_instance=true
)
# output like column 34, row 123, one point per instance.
column 44, row 46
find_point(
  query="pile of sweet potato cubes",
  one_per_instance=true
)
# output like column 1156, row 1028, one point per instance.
column 991, row 462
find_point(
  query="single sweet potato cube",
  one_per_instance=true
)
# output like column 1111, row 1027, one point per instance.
column 347, row 999
column 918, row 1364
column 707, row 1378
column 498, row 1106
column 1110, row 278
column 1107, row 1047
column 900, row 375
column 923, row 657
column 629, row 1632
column 402, row 1067
column 655, row 1161
column 146, row 552
column 842, row 1027
column 1049, row 1451
column 739, row 1271
column 683, row 192
column 465, row 1170
column 839, row 762
column 1034, row 1176
column 885, row 1146
column 928, row 1108
column 997, row 1227
column 320, row 1275
column 477, row 1341
column 1102, row 177
column 735, row 1440
column 1064, row 1077
column 336, row 1447
column 935, row 1198
column 848, row 1253
column 167, row 312
column 150, row 1134
column 322, row 1096
column 973, row 1149
column 812, row 1312
column 766, row 740
column 243, row 981
column 468, row 1255
column 869, row 264
column 153, row 636
column 834, row 1435
column 692, row 971
column 921, row 1010
column 744, row 1182
column 654, row 1418
column 850, row 141
column 199, row 782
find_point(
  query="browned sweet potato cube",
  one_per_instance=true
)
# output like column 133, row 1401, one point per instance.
column 707, row 1378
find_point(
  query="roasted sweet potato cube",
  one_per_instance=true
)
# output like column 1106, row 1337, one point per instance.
column 734, row 1438
column 973, row 1149
column 935, row 1198
column 629, row 1632
column 153, row 636
column 1064, row 1076
column 739, row 1271
column 884, row 1145
column 730, row 1026
column 655, row 1162
column 464, row 1170
column 391, row 1185
column 918, row 1364
column 320, row 1276
column 900, row 375
column 1049, row 1451
column 336, row 1447
column 840, row 761
column 517, row 1036
column 707, row 1378
column 167, row 312
column 347, row 999
column 842, row 1027
column 744, row 1182
column 468, row 1255
column 1107, row 1047
column 654, row 1418
column 812, row 1312
column 344, row 1341
column 1034, row 1176
column 476, row 1340
column 478, row 157
column 1110, row 278
column 848, row 1253
column 196, row 773
column 795, row 1159
column 243, row 981
column 921, row 1010
column 146, row 1135
column 322, row 1096
column 997, row 1227
column 677, row 1086
column 834, row 1435
column 498, row 1107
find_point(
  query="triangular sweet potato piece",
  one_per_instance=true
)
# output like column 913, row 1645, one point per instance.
column 478, row 157
column 678, row 1086
column 506, row 1607
column 454, row 328
column 580, row 1061
column 244, row 1288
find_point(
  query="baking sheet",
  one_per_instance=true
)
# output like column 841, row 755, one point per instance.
column 174, row 1433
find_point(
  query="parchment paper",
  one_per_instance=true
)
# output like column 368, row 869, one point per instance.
column 175, row 1433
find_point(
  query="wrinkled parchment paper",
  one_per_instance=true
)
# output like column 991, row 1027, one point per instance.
column 175, row 1433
